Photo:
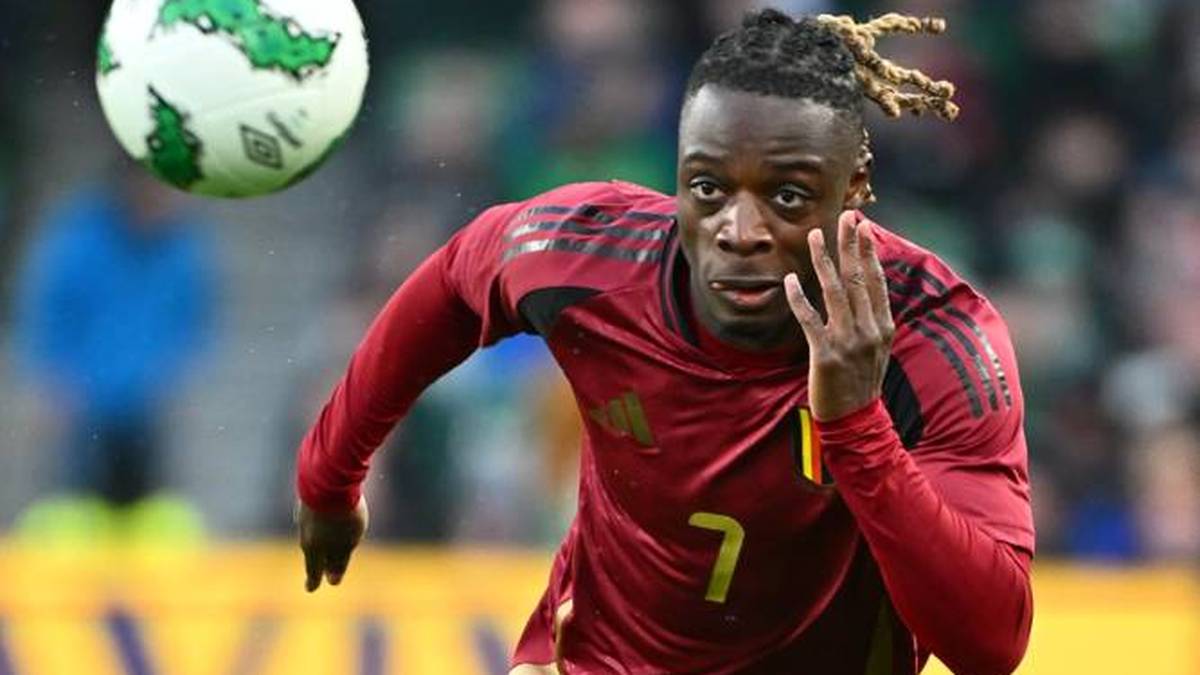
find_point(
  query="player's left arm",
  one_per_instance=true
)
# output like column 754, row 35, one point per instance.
column 957, row 574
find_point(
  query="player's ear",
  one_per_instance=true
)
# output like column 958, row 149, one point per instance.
column 859, row 192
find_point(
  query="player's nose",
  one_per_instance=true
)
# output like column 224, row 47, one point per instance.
column 744, row 229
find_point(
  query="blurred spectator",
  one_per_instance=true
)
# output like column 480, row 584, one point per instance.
column 1165, row 472
column 601, row 100
column 444, row 112
column 115, row 304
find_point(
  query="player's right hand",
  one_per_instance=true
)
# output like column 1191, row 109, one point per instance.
column 327, row 540
column 849, row 352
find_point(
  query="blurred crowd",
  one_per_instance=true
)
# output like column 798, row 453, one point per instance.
column 1069, row 191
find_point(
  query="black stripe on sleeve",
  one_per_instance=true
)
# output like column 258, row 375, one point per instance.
column 910, row 289
column 987, row 347
column 985, row 376
column 634, row 255
column 905, row 290
column 921, row 272
column 647, row 216
column 595, row 213
column 956, row 363
column 923, row 310
column 568, row 226
column 589, row 211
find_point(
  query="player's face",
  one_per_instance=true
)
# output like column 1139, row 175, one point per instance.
column 756, row 174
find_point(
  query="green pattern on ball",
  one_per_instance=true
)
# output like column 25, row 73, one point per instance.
column 174, row 149
column 105, row 62
column 269, row 42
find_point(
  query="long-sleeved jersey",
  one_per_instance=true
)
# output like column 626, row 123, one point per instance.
column 721, row 529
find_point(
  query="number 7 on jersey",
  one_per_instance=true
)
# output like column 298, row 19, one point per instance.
column 727, row 556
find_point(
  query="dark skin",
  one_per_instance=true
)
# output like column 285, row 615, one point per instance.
column 764, row 183
column 756, row 174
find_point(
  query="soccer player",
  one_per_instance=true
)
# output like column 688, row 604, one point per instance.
column 804, row 448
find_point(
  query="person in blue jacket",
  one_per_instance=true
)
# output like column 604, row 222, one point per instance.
column 115, row 304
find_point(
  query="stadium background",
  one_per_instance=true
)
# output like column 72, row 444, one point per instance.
column 1069, row 191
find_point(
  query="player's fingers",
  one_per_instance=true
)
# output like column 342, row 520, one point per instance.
column 852, row 270
column 809, row 319
column 836, row 305
column 335, row 566
column 313, row 567
column 877, row 288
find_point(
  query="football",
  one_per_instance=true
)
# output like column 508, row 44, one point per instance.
column 231, row 98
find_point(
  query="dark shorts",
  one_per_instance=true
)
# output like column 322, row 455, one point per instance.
column 119, row 462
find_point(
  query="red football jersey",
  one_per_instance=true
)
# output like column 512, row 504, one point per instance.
column 709, row 537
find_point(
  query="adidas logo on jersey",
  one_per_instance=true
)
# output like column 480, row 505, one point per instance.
column 624, row 416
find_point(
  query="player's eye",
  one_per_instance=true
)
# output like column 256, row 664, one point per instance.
column 790, row 198
column 706, row 190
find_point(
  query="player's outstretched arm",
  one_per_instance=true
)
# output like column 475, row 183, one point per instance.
column 423, row 331
column 431, row 324
column 964, row 594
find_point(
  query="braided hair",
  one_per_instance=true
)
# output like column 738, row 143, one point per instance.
column 826, row 59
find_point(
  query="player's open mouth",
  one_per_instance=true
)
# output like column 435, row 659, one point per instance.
column 749, row 293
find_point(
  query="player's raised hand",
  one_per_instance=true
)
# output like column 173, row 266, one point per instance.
column 848, row 353
column 328, row 540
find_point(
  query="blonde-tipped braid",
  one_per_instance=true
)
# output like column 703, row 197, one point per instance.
column 883, row 81
column 829, row 60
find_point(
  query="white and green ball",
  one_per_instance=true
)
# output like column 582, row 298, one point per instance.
column 231, row 98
